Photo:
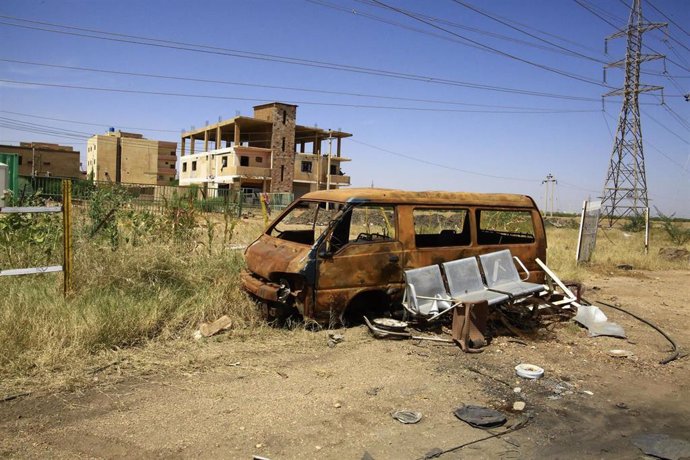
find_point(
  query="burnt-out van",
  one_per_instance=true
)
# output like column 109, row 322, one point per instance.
column 332, row 255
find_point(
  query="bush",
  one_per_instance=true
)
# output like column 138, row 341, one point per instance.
column 678, row 235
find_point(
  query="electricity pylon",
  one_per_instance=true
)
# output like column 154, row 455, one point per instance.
column 549, row 182
column 625, row 188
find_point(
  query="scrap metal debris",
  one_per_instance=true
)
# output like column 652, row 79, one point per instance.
column 334, row 338
column 618, row 353
column 480, row 417
column 597, row 323
column 380, row 333
column 407, row 416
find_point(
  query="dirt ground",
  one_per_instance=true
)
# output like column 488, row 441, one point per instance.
column 279, row 399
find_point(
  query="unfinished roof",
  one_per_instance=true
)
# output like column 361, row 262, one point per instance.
column 380, row 195
column 227, row 127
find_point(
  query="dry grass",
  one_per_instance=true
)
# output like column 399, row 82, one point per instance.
column 614, row 247
column 124, row 296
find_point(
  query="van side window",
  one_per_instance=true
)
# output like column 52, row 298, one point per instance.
column 504, row 227
column 372, row 223
column 441, row 227
column 364, row 224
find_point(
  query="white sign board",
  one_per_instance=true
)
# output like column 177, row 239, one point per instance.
column 587, row 238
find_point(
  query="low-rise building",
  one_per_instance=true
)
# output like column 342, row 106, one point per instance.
column 123, row 157
column 45, row 160
column 268, row 152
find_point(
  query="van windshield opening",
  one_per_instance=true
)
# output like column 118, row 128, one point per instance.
column 306, row 221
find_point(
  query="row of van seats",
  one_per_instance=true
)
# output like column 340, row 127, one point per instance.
column 426, row 295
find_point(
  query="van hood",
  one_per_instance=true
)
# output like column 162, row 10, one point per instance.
column 269, row 255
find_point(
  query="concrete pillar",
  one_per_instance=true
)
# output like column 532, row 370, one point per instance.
column 206, row 140
column 191, row 145
column 237, row 134
column 182, row 151
column 338, row 149
column 219, row 141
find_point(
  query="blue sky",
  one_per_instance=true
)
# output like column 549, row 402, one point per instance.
column 478, row 140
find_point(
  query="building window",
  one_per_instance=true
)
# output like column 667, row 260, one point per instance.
column 334, row 170
column 172, row 153
column 193, row 165
column 46, row 163
column 244, row 161
column 284, row 116
column 20, row 159
column 184, row 167
column 282, row 173
column 224, row 162
column 259, row 160
column 283, row 149
column 306, row 166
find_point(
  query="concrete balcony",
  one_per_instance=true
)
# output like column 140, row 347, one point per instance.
column 340, row 180
column 252, row 171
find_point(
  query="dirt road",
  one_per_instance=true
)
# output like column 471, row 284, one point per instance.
column 288, row 395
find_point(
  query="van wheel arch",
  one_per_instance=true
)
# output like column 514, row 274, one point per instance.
column 373, row 304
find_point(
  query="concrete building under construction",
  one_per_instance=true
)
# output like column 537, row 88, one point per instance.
column 122, row 157
column 45, row 160
column 268, row 152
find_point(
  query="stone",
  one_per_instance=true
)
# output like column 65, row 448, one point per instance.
column 519, row 405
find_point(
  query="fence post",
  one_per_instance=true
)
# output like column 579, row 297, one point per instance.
column 239, row 204
column 67, row 234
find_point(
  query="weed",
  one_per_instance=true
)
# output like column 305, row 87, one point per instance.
column 679, row 235
column 635, row 223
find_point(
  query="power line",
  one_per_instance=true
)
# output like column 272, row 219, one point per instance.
column 668, row 18
column 666, row 128
column 431, row 163
column 255, row 85
column 646, row 141
column 329, row 104
column 88, row 123
column 181, row 46
column 487, row 33
column 529, row 34
column 495, row 50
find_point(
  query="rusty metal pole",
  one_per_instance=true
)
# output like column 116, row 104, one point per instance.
column 67, row 234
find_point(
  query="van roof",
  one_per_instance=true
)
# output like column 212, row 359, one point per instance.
column 381, row 195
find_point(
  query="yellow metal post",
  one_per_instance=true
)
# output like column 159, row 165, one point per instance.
column 264, row 208
column 67, row 233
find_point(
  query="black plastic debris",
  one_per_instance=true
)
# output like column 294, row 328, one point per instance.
column 662, row 446
column 480, row 417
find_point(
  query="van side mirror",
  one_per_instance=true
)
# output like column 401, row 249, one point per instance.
column 325, row 254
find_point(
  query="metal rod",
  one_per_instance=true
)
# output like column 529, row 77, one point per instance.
column 67, row 234
column 31, row 209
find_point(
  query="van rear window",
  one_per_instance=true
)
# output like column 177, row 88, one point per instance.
column 441, row 227
column 504, row 227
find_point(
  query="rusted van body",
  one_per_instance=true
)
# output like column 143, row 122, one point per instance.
column 333, row 254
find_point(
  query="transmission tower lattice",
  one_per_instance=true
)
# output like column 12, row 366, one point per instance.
column 625, row 188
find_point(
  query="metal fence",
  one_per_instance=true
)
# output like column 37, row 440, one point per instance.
column 157, row 198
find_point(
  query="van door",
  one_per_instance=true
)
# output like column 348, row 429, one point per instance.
column 361, row 254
